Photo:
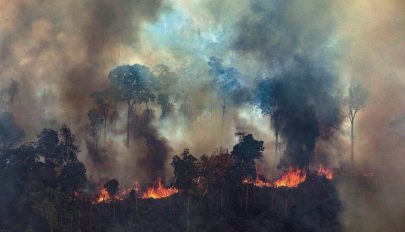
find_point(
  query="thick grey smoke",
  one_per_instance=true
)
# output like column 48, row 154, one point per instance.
column 290, row 38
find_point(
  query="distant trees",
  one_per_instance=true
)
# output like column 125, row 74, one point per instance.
column 132, row 82
column 356, row 100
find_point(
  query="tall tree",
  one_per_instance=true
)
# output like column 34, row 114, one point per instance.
column 105, row 101
column 226, row 80
column 165, row 105
column 356, row 100
column 268, row 102
column 112, row 188
column 185, row 175
column 131, row 81
column 245, row 153
column 96, row 119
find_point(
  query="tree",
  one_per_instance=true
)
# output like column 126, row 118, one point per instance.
column 245, row 153
column 132, row 82
column 96, row 119
column 356, row 100
column 112, row 188
column 165, row 105
column 226, row 79
column 105, row 101
column 185, row 171
column 10, row 132
column 268, row 100
column 146, row 96
column 185, row 175
column 214, row 173
column 73, row 177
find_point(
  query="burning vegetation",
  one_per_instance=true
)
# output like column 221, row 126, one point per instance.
column 131, row 115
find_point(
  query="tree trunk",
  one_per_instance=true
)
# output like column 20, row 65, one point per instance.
column 105, row 130
column 128, row 115
column 275, row 154
column 351, row 150
column 286, row 206
column 136, row 205
column 247, row 197
column 114, row 208
column 188, row 214
column 222, row 198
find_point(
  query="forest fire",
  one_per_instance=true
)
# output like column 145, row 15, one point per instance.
column 152, row 192
column 159, row 192
column 326, row 172
column 103, row 197
column 291, row 179
column 258, row 182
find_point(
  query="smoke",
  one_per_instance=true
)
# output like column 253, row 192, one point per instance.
column 373, row 32
column 290, row 37
column 61, row 51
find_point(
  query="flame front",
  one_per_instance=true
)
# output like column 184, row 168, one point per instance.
column 258, row 183
column 291, row 179
column 326, row 172
column 159, row 192
column 103, row 197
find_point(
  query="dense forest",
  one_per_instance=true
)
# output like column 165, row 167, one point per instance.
column 46, row 186
column 202, row 116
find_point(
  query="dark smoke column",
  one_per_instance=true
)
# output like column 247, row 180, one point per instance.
column 306, row 108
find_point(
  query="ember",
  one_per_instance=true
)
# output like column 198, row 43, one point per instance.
column 326, row 172
column 258, row 182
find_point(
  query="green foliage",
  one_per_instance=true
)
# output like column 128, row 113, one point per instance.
column 41, row 180
column 132, row 81
column 245, row 153
column 185, row 171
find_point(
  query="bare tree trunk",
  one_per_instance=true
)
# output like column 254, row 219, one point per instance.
column 128, row 115
column 114, row 208
column 351, row 150
column 105, row 130
column 286, row 206
column 247, row 197
column 136, row 205
column 222, row 198
column 188, row 214
column 275, row 155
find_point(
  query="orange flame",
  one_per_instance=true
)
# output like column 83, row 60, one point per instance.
column 291, row 179
column 159, row 192
column 258, row 183
column 326, row 172
column 103, row 197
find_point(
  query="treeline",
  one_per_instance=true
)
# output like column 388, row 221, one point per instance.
column 45, row 189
